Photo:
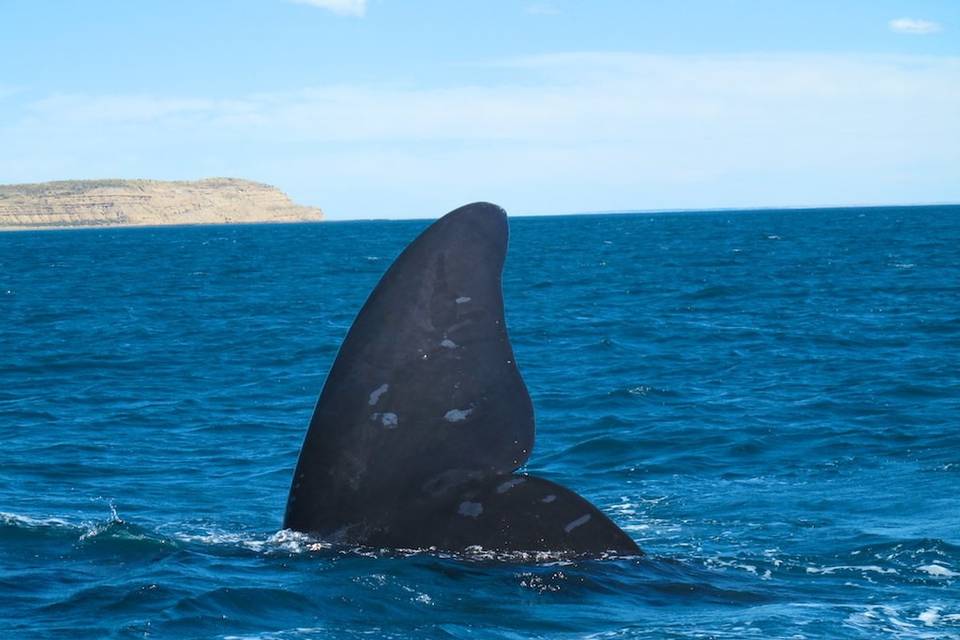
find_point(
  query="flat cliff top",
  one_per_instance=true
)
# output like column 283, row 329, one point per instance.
column 102, row 203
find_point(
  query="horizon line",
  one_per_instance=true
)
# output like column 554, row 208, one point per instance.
column 674, row 210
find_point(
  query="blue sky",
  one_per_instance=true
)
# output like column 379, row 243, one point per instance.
column 407, row 108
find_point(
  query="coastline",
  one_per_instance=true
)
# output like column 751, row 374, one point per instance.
column 147, row 225
column 77, row 204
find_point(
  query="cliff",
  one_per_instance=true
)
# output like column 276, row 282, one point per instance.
column 101, row 203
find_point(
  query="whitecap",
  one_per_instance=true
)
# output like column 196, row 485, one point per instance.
column 864, row 568
column 283, row 541
column 18, row 520
column 930, row 617
column 938, row 571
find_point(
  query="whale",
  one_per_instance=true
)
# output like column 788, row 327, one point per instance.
column 424, row 419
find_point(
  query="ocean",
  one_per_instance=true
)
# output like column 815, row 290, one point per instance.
column 768, row 402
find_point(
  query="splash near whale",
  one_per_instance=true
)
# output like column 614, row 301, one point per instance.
column 424, row 418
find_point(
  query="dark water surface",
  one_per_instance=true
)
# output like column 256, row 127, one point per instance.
column 768, row 402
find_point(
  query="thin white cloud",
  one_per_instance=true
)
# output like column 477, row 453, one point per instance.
column 7, row 91
column 914, row 26
column 542, row 9
column 560, row 132
column 355, row 8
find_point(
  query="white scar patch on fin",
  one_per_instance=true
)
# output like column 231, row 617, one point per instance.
column 389, row 420
column 548, row 499
column 470, row 509
column 464, row 299
column 376, row 393
column 457, row 415
column 509, row 484
column 448, row 344
column 584, row 519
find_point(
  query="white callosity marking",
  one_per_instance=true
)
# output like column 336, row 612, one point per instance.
column 376, row 393
column 448, row 344
column 463, row 299
column 457, row 415
column 470, row 509
column 582, row 520
column 548, row 499
column 509, row 484
column 389, row 420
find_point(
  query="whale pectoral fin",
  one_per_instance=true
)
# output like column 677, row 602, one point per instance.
column 507, row 513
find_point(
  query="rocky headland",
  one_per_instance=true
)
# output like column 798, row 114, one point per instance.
column 111, row 203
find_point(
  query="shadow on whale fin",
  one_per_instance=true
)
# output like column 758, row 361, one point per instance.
column 424, row 409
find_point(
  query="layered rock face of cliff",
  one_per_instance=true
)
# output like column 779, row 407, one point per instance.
column 100, row 203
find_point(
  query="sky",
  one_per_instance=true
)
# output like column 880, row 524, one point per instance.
column 410, row 108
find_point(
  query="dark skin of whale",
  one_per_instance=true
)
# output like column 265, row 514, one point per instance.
column 424, row 417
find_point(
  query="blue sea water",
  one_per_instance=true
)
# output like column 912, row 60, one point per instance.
column 768, row 402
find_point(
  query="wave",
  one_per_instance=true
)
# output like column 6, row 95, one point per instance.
column 922, row 561
column 117, row 536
